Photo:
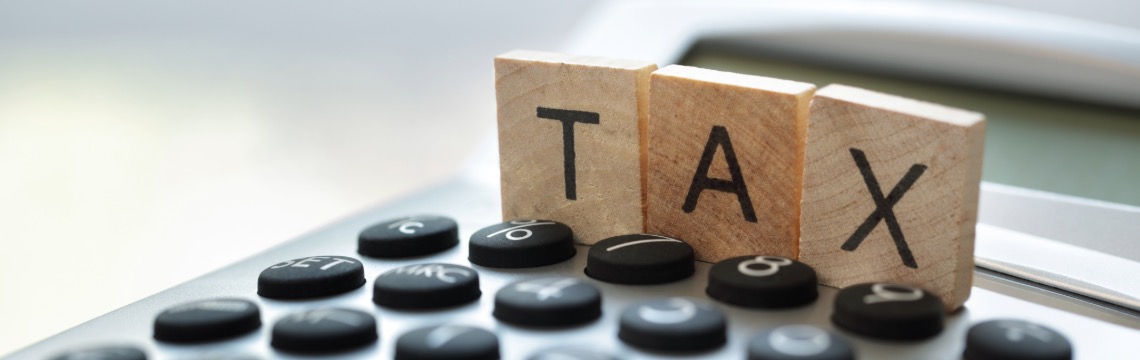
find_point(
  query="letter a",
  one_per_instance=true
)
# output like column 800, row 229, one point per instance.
column 701, row 181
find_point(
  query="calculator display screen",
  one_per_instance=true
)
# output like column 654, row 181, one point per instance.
column 1059, row 146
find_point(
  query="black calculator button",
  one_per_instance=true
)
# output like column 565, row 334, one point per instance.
column 450, row 342
column 554, row 301
column 324, row 330
column 762, row 282
column 1009, row 339
column 522, row 244
column 571, row 354
column 408, row 236
column 640, row 259
column 104, row 353
column 207, row 320
column 311, row 277
column 673, row 325
column 799, row 342
column 888, row 311
column 426, row 286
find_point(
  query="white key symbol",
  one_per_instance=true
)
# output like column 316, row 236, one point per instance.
column 406, row 226
column 799, row 340
column 520, row 232
column 642, row 241
column 544, row 289
column 681, row 311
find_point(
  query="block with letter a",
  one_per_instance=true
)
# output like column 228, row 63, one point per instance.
column 725, row 161
column 890, row 192
column 570, row 140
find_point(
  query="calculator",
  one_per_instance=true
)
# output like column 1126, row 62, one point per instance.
column 441, row 275
column 437, row 276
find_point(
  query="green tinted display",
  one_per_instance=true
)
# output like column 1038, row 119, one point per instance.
column 1064, row 147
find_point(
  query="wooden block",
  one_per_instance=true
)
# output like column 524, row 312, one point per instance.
column 891, row 192
column 726, row 161
column 570, row 140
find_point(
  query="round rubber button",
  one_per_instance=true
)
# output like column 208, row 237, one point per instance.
column 426, row 286
column 324, row 330
column 450, row 342
column 1009, row 339
column 522, row 244
column 799, row 342
column 207, row 320
column 888, row 311
column 762, row 282
column 104, row 353
column 408, row 236
column 554, row 301
column 311, row 277
column 640, row 259
column 673, row 325
column 571, row 354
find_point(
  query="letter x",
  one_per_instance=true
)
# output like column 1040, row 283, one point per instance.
column 884, row 207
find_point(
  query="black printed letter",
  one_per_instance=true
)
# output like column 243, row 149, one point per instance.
column 701, row 180
column 568, row 118
column 884, row 207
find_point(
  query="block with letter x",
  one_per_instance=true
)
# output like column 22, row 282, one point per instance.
column 571, row 140
column 890, row 192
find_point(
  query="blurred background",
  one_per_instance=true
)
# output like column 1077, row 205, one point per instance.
column 144, row 143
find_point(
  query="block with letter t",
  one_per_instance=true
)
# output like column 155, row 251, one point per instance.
column 890, row 192
column 726, row 161
column 570, row 140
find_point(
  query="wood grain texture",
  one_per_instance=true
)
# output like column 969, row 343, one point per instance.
column 764, row 120
column 602, row 102
column 936, row 150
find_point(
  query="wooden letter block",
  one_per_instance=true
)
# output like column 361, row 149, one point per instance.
column 726, row 158
column 890, row 192
column 570, row 140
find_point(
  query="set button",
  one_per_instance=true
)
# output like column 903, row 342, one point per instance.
column 311, row 277
column 426, row 286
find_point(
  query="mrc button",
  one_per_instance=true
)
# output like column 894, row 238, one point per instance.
column 426, row 286
column 640, row 259
column 762, row 282
column 310, row 277
column 888, row 311
column 408, row 236
column 522, row 244
column 206, row 320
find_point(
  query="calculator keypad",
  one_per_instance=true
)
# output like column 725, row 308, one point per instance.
column 757, row 307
